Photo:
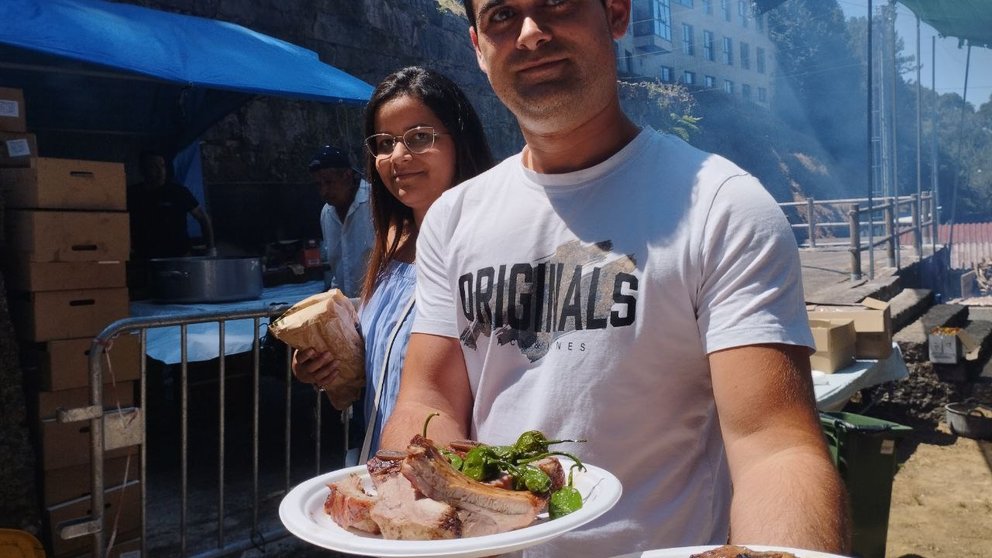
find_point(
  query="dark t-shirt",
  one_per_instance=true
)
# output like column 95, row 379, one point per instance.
column 158, row 220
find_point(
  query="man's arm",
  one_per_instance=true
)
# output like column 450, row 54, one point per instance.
column 786, row 490
column 206, row 227
column 434, row 381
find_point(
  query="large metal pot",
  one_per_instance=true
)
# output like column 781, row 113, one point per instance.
column 204, row 279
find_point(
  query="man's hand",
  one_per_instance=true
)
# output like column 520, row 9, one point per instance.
column 786, row 489
column 312, row 367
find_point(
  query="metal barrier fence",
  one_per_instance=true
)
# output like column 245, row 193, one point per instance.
column 110, row 430
column 895, row 216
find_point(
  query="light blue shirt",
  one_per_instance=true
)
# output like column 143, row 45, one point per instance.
column 378, row 317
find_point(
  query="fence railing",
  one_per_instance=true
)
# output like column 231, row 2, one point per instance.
column 97, row 418
column 863, row 227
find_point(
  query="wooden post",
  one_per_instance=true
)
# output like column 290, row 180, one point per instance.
column 853, row 216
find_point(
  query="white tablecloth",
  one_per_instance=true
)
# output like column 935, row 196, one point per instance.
column 203, row 339
column 834, row 390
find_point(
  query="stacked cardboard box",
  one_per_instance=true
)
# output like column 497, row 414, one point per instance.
column 66, row 240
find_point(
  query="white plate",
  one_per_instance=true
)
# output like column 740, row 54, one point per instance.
column 687, row 551
column 302, row 512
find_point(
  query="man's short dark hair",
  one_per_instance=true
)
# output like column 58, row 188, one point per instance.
column 329, row 157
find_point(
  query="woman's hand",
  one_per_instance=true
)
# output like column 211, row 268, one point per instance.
column 313, row 367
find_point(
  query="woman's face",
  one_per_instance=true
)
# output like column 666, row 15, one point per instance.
column 415, row 179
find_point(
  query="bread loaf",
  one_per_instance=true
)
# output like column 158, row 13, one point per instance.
column 328, row 322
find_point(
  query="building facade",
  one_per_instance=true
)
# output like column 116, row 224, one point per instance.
column 707, row 45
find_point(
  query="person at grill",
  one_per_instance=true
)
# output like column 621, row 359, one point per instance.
column 617, row 285
column 423, row 137
column 345, row 219
column 158, row 207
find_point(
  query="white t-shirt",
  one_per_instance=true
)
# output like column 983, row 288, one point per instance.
column 586, row 304
column 347, row 245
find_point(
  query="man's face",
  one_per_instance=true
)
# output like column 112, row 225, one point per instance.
column 551, row 62
column 336, row 186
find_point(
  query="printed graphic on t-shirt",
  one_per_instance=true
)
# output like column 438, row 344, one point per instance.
column 531, row 304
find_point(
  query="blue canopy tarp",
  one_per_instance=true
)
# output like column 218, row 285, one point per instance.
column 119, row 69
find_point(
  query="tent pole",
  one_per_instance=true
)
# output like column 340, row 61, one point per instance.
column 934, row 182
column 918, row 236
column 871, row 170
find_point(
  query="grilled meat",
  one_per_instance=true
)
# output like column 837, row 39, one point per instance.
column 734, row 551
column 401, row 514
column 348, row 505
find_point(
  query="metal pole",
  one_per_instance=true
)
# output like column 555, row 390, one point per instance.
column 893, row 120
column 855, row 248
column 810, row 222
column 890, row 231
column 871, row 174
column 918, row 206
column 917, row 231
column 954, row 188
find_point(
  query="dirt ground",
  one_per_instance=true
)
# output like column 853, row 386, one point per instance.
column 942, row 491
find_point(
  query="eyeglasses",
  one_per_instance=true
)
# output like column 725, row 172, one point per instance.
column 417, row 140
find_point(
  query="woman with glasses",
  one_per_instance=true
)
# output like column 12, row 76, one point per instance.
column 422, row 137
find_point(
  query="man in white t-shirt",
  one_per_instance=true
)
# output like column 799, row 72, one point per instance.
column 345, row 220
column 620, row 286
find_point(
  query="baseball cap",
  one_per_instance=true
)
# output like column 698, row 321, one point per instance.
column 329, row 157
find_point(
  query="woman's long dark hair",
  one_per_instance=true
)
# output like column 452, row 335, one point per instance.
column 472, row 155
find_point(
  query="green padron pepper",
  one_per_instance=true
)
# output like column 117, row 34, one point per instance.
column 533, row 479
column 563, row 502
column 481, row 463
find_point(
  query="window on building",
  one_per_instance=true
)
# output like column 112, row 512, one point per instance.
column 725, row 8
column 762, row 95
column 759, row 22
column 708, row 6
column 689, row 78
column 656, row 20
column 686, row 3
column 708, row 46
column 728, row 87
column 728, row 51
column 759, row 60
column 743, row 11
column 688, row 44
column 746, row 92
column 745, row 56
column 710, row 82
column 666, row 74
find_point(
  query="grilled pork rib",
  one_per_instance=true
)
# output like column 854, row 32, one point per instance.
column 733, row 551
column 348, row 505
column 401, row 514
column 484, row 509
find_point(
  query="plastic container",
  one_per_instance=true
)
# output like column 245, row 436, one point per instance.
column 863, row 449
column 970, row 419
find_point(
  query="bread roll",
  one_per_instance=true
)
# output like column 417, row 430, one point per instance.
column 328, row 322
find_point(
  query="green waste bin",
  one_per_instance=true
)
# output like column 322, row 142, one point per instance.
column 863, row 449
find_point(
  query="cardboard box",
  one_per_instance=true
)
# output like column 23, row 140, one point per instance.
column 12, row 115
column 835, row 342
column 65, row 184
column 114, row 396
column 947, row 345
column 70, row 483
column 63, row 364
column 21, row 274
column 123, row 498
column 67, row 444
column 67, row 236
column 16, row 150
column 872, row 322
column 48, row 315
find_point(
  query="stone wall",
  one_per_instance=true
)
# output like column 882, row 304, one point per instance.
column 254, row 159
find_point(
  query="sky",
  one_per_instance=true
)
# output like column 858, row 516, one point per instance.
column 950, row 60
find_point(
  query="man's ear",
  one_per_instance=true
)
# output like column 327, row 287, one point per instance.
column 618, row 16
column 478, row 53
